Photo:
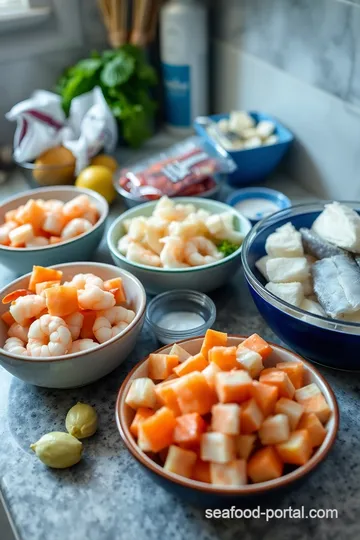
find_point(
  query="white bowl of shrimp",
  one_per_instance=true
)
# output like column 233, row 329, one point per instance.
column 50, row 225
column 106, row 309
column 175, row 243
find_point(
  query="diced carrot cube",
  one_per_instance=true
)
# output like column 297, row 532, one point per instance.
column 201, row 471
column 306, row 392
column 86, row 331
column 166, row 394
column 141, row 414
column 188, row 429
column 233, row 386
column 267, row 370
column 32, row 212
column 160, row 366
column 297, row 450
column 40, row 287
column 61, row 301
column 116, row 285
column 55, row 239
column 8, row 318
column 312, row 424
column 249, row 360
column 251, row 417
column 257, row 344
column 318, row 406
column 194, row 363
column 14, row 295
column 40, row 274
column 282, row 382
column 141, row 394
column 292, row 410
column 194, row 394
column 213, row 339
column 244, row 445
column 224, row 357
column 226, row 418
column 295, row 371
column 265, row 396
column 209, row 372
column 180, row 353
column 171, row 377
column 229, row 474
column 264, row 465
column 180, row 461
column 217, row 447
column 159, row 428
column 275, row 429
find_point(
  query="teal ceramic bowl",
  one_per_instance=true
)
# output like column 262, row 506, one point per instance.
column 81, row 248
column 200, row 278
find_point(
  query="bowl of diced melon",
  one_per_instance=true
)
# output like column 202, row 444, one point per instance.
column 221, row 418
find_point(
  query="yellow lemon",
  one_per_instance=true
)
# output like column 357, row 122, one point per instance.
column 55, row 166
column 99, row 179
column 106, row 161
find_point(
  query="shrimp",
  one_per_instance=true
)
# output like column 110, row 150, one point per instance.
column 156, row 229
column 137, row 228
column 95, row 298
column 15, row 345
column 75, row 227
column 167, row 210
column 221, row 227
column 82, row 345
column 27, row 307
column 5, row 229
column 123, row 244
column 85, row 281
column 91, row 214
column 19, row 331
column 172, row 255
column 53, row 205
column 200, row 250
column 54, row 222
column 21, row 235
column 111, row 322
column 37, row 241
column 76, row 207
column 139, row 254
column 74, row 323
column 49, row 336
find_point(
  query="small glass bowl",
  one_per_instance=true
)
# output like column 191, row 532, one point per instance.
column 180, row 300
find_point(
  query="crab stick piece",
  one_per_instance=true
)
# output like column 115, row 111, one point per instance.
column 244, row 445
column 141, row 394
column 40, row 287
column 160, row 366
column 317, row 405
column 116, row 286
column 224, row 357
column 281, row 380
column 251, row 417
column 297, row 449
column 249, row 360
column 32, row 212
column 21, row 235
column 61, row 301
column 201, row 471
column 292, row 410
column 213, row 339
column 217, row 447
column 141, row 414
column 229, row 474
column 257, row 344
column 180, row 461
column 226, row 418
column 275, row 429
column 40, row 274
column 8, row 318
column 158, row 429
column 11, row 297
column 306, row 392
column 209, row 372
column 312, row 424
column 188, row 429
column 55, row 239
column 264, row 465
column 166, row 395
column 295, row 372
column 180, row 353
column 194, row 394
column 233, row 386
column 265, row 396
column 194, row 363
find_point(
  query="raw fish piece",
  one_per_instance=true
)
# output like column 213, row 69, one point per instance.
column 312, row 307
column 285, row 242
column 287, row 270
column 261, row 265
column 339, row 225
column 317, row 246
column 349, row 279
column 293, row 293
column 308, row 286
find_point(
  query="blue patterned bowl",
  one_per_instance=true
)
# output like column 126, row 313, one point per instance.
column 323, row 340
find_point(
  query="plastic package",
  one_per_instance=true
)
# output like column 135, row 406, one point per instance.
column 185, row 169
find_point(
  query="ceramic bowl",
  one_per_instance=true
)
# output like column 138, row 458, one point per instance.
column 82, row 247
column 207, row 495
column 323, row 340
column 81, row 368
column 201, row 278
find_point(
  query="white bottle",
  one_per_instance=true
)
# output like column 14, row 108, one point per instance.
column 184, row 58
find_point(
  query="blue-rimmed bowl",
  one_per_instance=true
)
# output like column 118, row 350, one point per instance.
column 200, row 278
column 279, row 200
column 327, row 341
column 253, row 164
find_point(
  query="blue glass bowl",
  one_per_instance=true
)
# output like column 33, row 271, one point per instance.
column 326, row 341
column 253, row 164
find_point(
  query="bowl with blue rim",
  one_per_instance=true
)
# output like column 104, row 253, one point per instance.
column 258, row 203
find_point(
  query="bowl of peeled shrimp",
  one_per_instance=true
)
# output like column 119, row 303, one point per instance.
column 179, row 243
column 50, row 226
column 69, row 325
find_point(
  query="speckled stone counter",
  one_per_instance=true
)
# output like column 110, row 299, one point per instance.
column 108, row 496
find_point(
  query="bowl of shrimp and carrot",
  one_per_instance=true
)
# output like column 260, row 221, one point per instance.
column 50, row 226
column 179, row 243
column 69, row 325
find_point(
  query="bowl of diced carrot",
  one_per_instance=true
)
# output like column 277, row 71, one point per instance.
column 218, row 418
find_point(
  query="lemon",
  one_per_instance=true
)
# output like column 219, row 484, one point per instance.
column 81, row 421
column 99, row 179
column 105, row 161
column 55, row 166
column 58, row 450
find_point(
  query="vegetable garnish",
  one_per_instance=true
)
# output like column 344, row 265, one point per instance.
column 227, row 248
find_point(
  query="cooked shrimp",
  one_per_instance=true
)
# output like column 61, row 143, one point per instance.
column 75, row 227
column 137, row 228
column 82, row 345
column 54, row 222
column 27, row 307
column 186, row 229
column 49, row 336
column 111, row 322
column 123, row 244
column 95, row 298
column 221, row 227
column 172, row 255
column 5, row 229
column 19, row 331
column 15, row 345
column 76, row 207
column 85, row 281
column 156, row 229
column 126, row 224
column 74, row 323
column 139, row 254
column 200, row 250
column 167, row 210
column 91, row 214
column 37, row 241
column 53, row 205
column 21, row 235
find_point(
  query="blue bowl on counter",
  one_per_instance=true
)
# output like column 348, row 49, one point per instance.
column 239, row 198
column 253, row 164
column 327, row 341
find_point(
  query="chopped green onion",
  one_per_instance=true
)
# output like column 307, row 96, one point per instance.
column 227, row 248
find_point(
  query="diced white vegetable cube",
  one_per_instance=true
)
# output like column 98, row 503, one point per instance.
column 226, row 418
column 141, row 394
column 180, row 461
column 292, row 410
column 261, row 265
column 306, row 392
column 293, row 293
column 287, row 270
column 265, row 128
column 244, row 445
column 284, row 242
column 209, row 372
column 275, row 429
column 229, row 474
column 254, row 142
column 249, row 360
column 179, row 352
column 312, row 307
column 217, row 447
column 240, row 120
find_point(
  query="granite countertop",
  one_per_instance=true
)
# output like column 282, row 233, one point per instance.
column 108, row 496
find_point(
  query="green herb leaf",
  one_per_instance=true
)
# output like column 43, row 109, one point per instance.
column 89, row 66
column 118, row 70
column 227, row 248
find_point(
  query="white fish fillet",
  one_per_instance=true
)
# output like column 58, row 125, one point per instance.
column 285, row 242
column 339, row 225
column 261, row 265
column 293, row 293
column 287, row 270
column 312, row 307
